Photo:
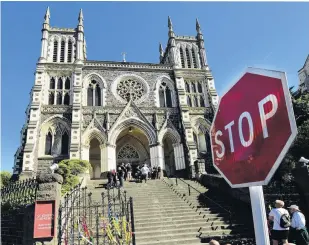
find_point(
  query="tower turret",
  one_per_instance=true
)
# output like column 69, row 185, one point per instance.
column 80, row 38
column 44, row 40
column 201, row 45
column 161, row 52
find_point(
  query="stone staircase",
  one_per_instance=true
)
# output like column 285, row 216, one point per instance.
column 163, row 215
column 236, row 217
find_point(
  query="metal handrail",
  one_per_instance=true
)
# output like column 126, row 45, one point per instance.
column 190, row 186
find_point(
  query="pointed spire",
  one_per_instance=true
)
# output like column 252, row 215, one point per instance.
column 80, row 17
column 198, row 27
column 47, row 16
column 160, row 48
column 170, row 25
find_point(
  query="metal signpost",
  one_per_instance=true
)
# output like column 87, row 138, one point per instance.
column 252, row 131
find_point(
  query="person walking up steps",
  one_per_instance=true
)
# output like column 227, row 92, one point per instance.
column 281, row 219
column 145, row 171
column 298, row 232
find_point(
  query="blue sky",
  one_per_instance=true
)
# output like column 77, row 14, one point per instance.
column 237, row 35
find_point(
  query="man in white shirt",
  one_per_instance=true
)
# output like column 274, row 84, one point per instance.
column 299, row 233
column 145, row 171
column 278, row 233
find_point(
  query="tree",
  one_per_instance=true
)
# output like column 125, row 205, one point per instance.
column 69, row 169
column 5, row 178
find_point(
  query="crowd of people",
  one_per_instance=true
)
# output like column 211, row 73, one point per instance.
column 125, row 172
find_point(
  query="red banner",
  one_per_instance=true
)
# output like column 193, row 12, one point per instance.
column 44, row 219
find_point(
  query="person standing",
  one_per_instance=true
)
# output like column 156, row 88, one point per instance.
column 298, row 232
column 114, row 176
column 145, row 171
column 159, row 173
column 120, row 176
column 279, row 233
column 129, row 171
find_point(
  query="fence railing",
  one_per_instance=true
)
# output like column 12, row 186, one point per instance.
column 19, row 193
column 96, row 218
column 190, row 187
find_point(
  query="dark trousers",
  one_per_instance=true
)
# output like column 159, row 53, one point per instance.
column 121, row 181
column 300, row 237
column 144, row 176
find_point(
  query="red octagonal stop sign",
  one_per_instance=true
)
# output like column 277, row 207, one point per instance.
column 253, row 128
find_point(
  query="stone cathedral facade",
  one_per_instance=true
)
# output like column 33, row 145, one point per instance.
column 112, row 112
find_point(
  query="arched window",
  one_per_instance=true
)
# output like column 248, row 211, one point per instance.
column 98, row 95
column 194, row 58
column 168, row 97
column 66, row 100
column 90, row 96
column 199, row 88
column 161, row 97
column 55, row 51
column 196, row 101
column 51, row 98
column 202, row 103
column 208, row 145
column 182, row 58
column 59, row 99
column 52, row 83
column 187, row 87
column 60, row 83
column 48, row 143
column 67, row 84
column 202, row 142
column 62, row 51
column 65, row 144
column 195, row 140
column 189, row 101
column 70, row 48
column 193, row 88
column 188, row 58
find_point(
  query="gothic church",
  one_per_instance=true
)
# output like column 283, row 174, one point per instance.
column 112, row 112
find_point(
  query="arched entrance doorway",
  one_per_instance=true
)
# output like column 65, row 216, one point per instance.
column 169, row 157
column 132, row 146
column 95, row 159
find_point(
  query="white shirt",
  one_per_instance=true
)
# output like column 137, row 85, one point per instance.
column 298, row 220
column 145, row 170
column 277, row 213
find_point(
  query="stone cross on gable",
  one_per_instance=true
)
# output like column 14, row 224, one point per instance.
column 94, row 114
column 123, row 56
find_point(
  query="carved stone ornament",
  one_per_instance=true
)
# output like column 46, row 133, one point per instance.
column 130, row 113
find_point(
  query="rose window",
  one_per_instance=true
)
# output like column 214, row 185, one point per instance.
column 130, row 89
column 128, row 152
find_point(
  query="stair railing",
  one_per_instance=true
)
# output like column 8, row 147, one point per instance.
column 217, row 204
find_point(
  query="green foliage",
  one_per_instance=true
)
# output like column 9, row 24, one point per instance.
column 5, row 178
column 69, row 169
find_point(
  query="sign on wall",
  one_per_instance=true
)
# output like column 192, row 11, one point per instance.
column 44, row 219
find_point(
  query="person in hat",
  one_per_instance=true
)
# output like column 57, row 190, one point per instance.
column 298, row 232
column 279, row 233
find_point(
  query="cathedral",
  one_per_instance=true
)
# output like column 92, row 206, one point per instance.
column 110, row 112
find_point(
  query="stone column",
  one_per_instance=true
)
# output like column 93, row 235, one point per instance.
column 156, row 156
column 85, row 152
column 50, row 190
column 111, row 157
column 103, row 158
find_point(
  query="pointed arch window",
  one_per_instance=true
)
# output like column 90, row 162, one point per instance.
column 48, row 143
column 51, row 98
column 65, row 144
column 90, row 96
column 187, row 87
column 188, row 58
column 196, row 101
column 62, row 51
column 165, row 95
column 189, row 101
column 70, row 48
column 59, row 99
column 194, row 58
column 199, row 87
column 60, row 83
column 195, row 139
column 202, row 103
column 193, row 87
column 66, row 100
column 98, row 95
column 52, row 83
column 67, row 84
column 55, row 54
column 182, row 58
column 168, row 96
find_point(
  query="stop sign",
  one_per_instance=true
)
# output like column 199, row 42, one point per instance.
column 253, row 128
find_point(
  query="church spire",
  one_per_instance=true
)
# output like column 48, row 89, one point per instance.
column 81, row 18
column 161, row 51
column 198, row 27
column 47, row 16
column 170, row 25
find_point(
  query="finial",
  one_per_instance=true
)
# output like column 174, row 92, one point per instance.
column 160, row 48
column 80, row 16
column 198, row 27
column 170, row 25
column 124, row 57
column 47, row 16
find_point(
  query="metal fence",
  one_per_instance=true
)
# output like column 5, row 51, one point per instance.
column 87, row 219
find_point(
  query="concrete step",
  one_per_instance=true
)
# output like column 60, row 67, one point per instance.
column 165, row 237
column 187, row 241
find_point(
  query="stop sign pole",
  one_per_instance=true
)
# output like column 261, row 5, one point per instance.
column 251, row 133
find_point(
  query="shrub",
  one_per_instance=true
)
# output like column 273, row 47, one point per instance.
column 5, row 178
column 69, row 169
